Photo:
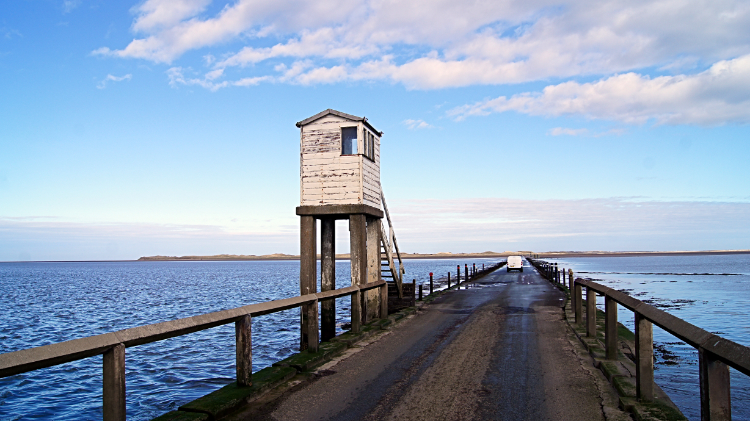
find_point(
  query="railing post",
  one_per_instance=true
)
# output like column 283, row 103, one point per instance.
column 244, row 347
column 312, row 327
column 449, row 280
column 458, row 274
column 570, row 287
column 449, row 275
column 356, row 311
column 610, row 327
column 578, row 302
column 644, row 358
column 384, row 301
column 716, row 403
column 466, row 272
column 590, row 312
column 114, row 383
column 420, row 292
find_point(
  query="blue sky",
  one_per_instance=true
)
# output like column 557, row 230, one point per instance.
column 167, row 127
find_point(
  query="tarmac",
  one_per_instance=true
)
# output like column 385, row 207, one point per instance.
column 497, row 350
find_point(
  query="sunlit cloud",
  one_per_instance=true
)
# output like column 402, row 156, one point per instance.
column 111, row 78
column 417, row 124
column 716, row 96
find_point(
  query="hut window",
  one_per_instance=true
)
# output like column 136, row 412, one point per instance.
column 369, row 145
column 348, row 141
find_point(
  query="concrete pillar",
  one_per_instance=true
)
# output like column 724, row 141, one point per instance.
column 610, row 327
column 358, row 253
column 716, row 402
column 308, row 272
column 372, row 297
column 114, row 384
column 590, row 313
column 244, row 347
column 327, row 277
column 644, row 358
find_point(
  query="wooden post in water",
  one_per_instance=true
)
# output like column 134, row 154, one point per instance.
column 244, row 350
column 449, row 280
column 449, row 275
column 358, row 254
column 644, row 358
column 308, row 271
column 114, row 384
column 590, row 313
column 458, row 274
column 610, row 327
column 372, row 297
column 716, row 402
column 328, row 277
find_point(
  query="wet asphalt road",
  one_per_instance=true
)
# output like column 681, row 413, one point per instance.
column 498, row 350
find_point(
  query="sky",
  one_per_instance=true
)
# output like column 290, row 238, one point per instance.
column 167, row 127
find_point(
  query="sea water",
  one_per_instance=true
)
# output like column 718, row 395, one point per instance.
column 709, row 291
column 48, row 302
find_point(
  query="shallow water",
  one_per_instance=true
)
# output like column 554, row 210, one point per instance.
column 711, row 292
column 44, row 303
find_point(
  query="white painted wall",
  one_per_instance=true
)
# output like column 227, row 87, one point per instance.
column 327, row 177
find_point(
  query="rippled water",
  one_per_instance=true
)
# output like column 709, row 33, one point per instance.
column 711, row 292
column 44, row 303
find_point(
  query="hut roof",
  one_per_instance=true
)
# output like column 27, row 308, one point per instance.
column 340, row 114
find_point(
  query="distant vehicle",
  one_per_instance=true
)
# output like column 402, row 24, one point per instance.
column 514, row 263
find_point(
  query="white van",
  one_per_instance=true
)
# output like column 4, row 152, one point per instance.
column 514, row 263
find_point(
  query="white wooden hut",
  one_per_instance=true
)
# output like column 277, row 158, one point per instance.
column 339, row 160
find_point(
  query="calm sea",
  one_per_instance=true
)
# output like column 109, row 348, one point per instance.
column 44, row 303
column 711, row 292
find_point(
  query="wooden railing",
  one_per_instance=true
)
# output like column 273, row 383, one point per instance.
column 715, row 354
column 112, row 345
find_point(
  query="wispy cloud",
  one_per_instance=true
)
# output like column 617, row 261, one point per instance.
column 716, row 96
column 69, row 5
column 559, row 131
column 209, row 81
column 587, row 224
column 111, row 78
column 10, row 33
column 417, row 124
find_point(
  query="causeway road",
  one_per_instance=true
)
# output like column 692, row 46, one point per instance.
column 497, row 350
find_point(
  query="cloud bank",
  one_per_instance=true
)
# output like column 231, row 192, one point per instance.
column 436, row 44
column 467, row 225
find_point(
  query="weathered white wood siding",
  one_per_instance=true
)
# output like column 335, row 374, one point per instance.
column 371, row 178
column 327, row 177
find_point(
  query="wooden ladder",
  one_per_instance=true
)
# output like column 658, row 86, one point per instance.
column 388, row 247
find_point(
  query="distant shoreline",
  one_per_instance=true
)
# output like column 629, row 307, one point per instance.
column 488, row 254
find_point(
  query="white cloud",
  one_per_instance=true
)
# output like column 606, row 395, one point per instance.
column 176, row 77
column 718, row 95
column 69, row 5
column 111, row 78
column 417, row 124
column 558, row 131
column 472, row 43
